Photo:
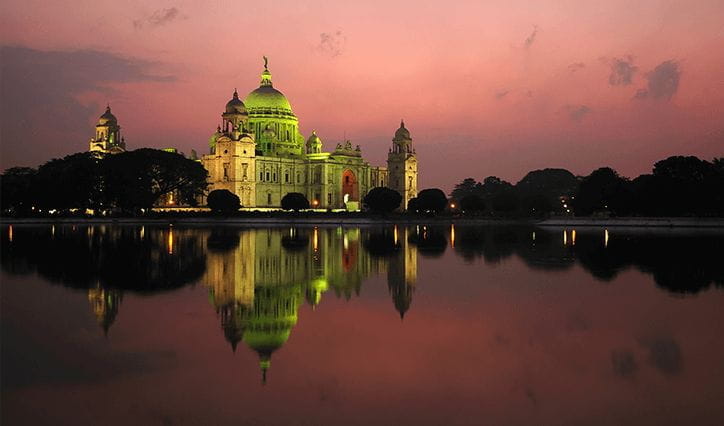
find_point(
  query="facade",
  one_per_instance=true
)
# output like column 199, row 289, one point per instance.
column 259, row 154
column 108, row 139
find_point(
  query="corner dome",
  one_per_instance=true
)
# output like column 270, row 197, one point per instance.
column 402, row 132
column 314, row 139
column 107, row 117
column 235, row 105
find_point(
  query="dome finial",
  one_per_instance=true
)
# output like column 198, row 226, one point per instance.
column 402, row 123
column 266, row 75
column 236, row 94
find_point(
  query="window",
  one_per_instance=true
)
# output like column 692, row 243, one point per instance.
column 299, row 177
column 346, row 179
column 267, row 176
column 226, row 171
column 286, row 177
column 261, row 176
column 329, row 198
column 268, row 198
column 274, row 175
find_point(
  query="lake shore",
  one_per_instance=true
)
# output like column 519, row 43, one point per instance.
column 290, row 219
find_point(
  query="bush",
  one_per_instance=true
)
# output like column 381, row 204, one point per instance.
column 432, row 199
column 382, row 200
column 295, row 201
column 412, row 206
column 223, row 201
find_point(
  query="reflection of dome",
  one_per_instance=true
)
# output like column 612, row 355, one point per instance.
column 107, row 117
column 402, row 132
column 235, row 105
column 269, row 323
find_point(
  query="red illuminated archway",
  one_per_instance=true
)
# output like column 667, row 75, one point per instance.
column 349, row 185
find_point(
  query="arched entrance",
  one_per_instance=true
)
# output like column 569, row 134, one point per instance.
column 350, row 189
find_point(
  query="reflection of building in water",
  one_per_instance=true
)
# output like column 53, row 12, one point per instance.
column 105, row 304
column 257, row 286
column 402, row 274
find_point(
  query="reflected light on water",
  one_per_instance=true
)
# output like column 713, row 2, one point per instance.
column 170, row 241
column 394, row 234
column 143, row 232
column 10, row 233
column 573, row 237
column 565, row 237
column 452, row 235
column 315, row 239
column 605, row 237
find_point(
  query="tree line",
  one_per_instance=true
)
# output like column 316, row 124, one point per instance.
column 677, row 186
column 128, row 182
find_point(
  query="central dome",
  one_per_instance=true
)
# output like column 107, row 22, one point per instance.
column 267, row 97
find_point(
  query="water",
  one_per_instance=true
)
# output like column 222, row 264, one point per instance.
column 428, row 325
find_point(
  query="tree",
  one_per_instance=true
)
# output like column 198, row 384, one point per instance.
column 466, row 187
column 602, row 190
column 223, row 201
column 74, row 181
column 412, row 206
column 540, row 191
column 137, row 179
column 382, row 200
column 16, row 189
column 472, row 203
column 431, row 199
column 295, row 201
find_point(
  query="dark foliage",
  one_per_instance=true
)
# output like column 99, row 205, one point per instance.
column 295, row 201
column 472, row 203
column 432, row 200
column 223, row 201
column 382, row 200
column 127, row 181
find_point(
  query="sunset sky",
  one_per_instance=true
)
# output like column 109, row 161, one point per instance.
column 485, row 87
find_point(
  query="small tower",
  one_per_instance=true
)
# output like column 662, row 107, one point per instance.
column 402, row 166
column 108, row 137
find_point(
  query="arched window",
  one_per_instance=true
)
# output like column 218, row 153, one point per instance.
column 268, row 198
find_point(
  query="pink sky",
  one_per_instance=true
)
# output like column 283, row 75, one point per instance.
column 486, row 88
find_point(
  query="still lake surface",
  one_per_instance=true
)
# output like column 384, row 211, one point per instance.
column 394, row 325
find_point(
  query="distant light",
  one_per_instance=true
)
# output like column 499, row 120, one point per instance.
column 452, row 205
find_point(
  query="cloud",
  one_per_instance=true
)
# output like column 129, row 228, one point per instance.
column 531, row 38
column 158, row 18
column 665, row 355
column 622, row 71
column 501, row 94
column 577, row 112
column 663, row 81
column 624, row 363
column 39, row 103
column 331, row 44
column 576, row 66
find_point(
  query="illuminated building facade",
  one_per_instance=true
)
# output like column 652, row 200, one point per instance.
column 259, row 153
